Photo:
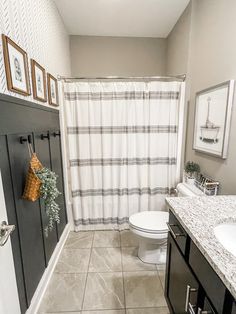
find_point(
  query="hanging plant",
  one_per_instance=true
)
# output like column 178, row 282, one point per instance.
column 49, row 192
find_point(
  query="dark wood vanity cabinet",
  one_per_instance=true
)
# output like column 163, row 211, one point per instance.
column 32, row 249
column 179, row 279
column 234, row 308
column 192, row 286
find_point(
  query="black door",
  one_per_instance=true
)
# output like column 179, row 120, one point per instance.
column 55, row 149
column 12, row 219
column 28, row 217
column 181, row 286
column 41, row 140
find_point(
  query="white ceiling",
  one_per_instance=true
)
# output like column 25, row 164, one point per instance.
column 134, row 18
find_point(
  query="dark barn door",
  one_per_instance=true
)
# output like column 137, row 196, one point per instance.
column 55, row 149
column 31, row 248
column 28, row 216
column 41, row 140
column 12, row 219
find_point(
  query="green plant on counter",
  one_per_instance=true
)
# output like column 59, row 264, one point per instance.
column 191, row 168
column 49, row 192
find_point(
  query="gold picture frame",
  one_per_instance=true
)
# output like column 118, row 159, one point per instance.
column 38, row 81
column 16, row 66
column 52, row 90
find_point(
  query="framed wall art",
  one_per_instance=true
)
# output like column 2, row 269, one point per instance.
column 52, row 90
column 212, row 119
column 16, row 65
column 38, row 81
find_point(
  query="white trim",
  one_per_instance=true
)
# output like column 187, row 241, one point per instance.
column 180, row 141
column 228, row 119
column 42, row 286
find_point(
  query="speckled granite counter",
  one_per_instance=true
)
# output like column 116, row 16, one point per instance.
column 199, row 216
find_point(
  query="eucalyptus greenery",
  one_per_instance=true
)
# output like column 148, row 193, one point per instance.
column 191, row 168
column 49, row 192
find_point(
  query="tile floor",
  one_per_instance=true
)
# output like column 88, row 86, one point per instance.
column 99, row 272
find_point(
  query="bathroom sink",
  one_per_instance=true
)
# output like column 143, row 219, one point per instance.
column 226, row 235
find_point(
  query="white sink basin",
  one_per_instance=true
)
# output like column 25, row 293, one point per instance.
column 226, row 235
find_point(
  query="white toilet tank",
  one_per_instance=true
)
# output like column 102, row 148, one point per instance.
column 185, row 189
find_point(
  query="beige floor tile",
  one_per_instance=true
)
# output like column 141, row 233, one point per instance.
column 157, row 310
column 79, row 240
column 106, row 239
column 128, row 238
column 143, row 289
column 105, row 312
column 60, row 312
column 161, row 266
column 131, row 262
column 105, row 260
column 73, row 261
column 65, row 293
column 162, row 276
column 104, row 291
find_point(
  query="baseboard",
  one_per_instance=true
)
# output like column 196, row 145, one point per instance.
column 42, row 286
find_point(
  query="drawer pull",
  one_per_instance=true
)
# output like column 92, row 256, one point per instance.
column 200, row 311
column 191, row 308
column 187, row 303
column 175, row 235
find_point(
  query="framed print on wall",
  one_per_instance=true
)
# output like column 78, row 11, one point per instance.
column 16, row 65
column 212, row 119
column 52, row 90
column 38, row 81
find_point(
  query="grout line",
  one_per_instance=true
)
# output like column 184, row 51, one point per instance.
column 110, row 272
column 122, row 271
column 86, row 280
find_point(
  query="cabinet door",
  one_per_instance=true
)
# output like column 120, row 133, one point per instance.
column 28, row 217
column 41, row 140
column 181, row 286
column 56, row 161
column 234, row 307
column 206, row 308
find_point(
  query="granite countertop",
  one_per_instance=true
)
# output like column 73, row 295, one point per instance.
column 199, row 216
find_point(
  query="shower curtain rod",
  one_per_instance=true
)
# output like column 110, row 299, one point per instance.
column 181, row 77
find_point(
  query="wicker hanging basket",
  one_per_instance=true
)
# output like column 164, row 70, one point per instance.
column 33, row 183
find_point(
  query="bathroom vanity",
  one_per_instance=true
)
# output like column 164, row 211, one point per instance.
column 200, row 271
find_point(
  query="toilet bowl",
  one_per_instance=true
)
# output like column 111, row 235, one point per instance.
column 151, row 229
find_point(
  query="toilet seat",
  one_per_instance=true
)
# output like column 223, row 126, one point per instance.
column 153, row 222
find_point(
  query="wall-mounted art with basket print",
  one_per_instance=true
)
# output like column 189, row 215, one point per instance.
column 52, row 90
column 212, row 119
column 38, row 81
column 16, row 66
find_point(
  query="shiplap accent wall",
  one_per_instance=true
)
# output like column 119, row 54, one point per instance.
column 36, row 26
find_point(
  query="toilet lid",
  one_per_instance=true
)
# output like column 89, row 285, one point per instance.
column 150, row 221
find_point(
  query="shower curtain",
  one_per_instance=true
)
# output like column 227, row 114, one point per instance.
column 124, row 147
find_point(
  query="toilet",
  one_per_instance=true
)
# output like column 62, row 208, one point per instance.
column 151, row 229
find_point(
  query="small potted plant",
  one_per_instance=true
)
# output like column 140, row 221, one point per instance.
column 191, row 170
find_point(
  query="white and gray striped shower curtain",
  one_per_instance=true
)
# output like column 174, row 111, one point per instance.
column 123, row 143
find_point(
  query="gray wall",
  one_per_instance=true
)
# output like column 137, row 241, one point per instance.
column 122, row 56
column 178, row 45
column 212, row 60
